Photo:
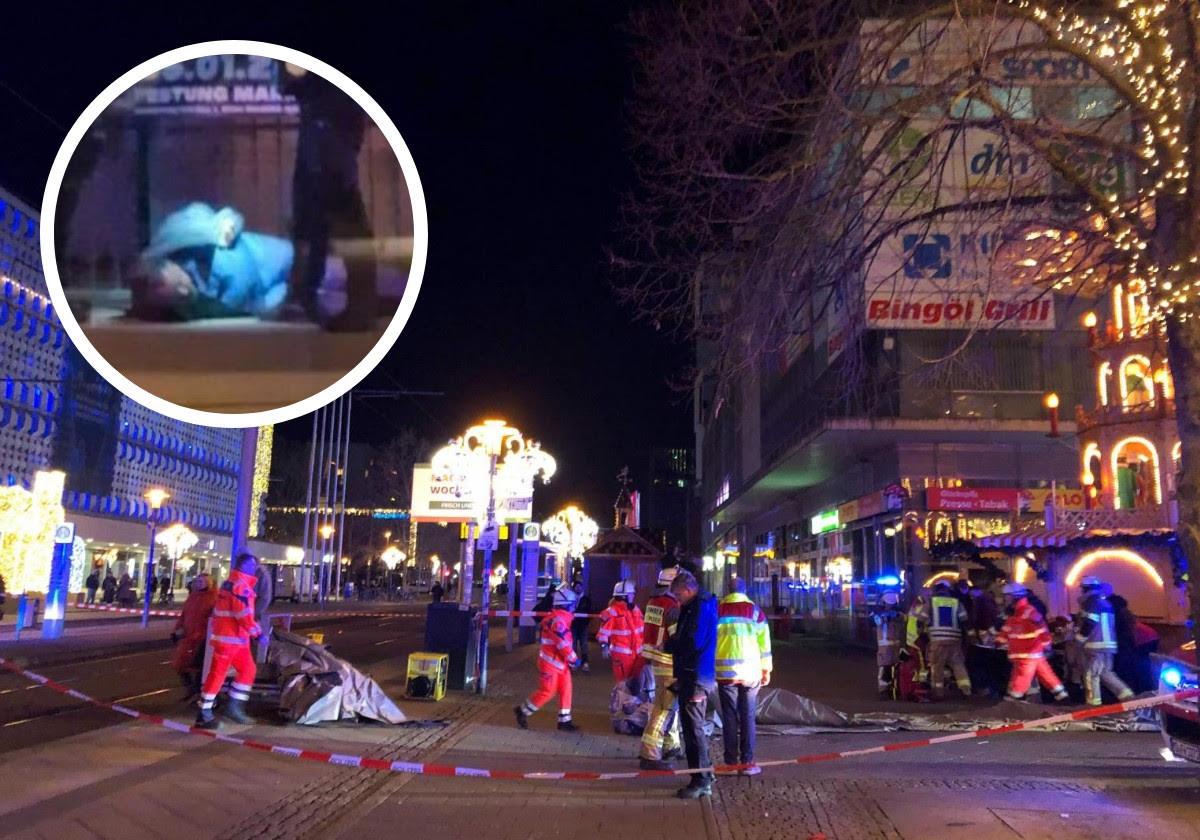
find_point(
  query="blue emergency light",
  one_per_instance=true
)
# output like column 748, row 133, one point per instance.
column 887, row 580
column 1172, row 676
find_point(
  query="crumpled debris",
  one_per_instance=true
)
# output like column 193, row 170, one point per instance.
column 316, row 686
column 787, row 713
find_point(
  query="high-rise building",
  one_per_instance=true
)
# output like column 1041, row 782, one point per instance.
column 57, row 415
column 666, row 501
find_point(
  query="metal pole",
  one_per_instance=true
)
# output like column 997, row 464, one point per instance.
column 509, row 581
column 314, row 499
column 245, row 491
column 153, row 526
column 325, row 499
column 485, row 590
column 345, row 480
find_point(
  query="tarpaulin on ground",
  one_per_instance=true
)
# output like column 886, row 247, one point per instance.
column 786, row 713
column 316, row 686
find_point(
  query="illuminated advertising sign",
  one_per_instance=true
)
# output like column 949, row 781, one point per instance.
column 826, row 520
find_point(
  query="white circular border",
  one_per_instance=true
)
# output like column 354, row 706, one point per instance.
column 255, row 418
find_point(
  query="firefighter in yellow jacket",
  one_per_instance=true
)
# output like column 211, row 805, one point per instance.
column 660, row 738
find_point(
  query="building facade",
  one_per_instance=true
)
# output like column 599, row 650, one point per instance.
column 57, row 415
column 847, row 456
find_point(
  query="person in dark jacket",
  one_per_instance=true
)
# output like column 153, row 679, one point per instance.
column 579, row 627
column 93, row 583
column 436, row 592
column 694, row 648
column 327, row 198
column 109, row 586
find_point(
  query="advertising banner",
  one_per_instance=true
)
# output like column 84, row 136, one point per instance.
column 215, row 85
column 1065, row 498
column 441, row 500
column 975, row 499
column 958, row 312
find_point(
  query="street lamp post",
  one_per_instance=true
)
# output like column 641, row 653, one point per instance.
column 326, row 531
column 177, row 539
column 498, row 453
column 155, row 496
column 392, row 557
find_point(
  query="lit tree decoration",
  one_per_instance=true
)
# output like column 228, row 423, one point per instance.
column 27, row 523
column 176, row 540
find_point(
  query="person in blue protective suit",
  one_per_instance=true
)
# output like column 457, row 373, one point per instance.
column 202, row 263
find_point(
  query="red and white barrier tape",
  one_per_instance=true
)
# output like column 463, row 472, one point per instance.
column 131, row 610
column 421, row 768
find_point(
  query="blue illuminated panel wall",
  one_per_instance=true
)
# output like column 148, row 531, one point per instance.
column 56, row 413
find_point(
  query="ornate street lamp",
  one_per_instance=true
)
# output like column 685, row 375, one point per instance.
column 155, row 496
column 491, row 456
column 570, row 533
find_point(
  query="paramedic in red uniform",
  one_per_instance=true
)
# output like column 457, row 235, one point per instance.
column 233, row 626
column 620, row 636
column 1027, row 638
column 555, row 660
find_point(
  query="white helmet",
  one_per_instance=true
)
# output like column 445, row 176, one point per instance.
column 624, row 589
column 889, row 598
column 1015, row 590
column 667, row 575
column 1091, row 582
column 564, row 596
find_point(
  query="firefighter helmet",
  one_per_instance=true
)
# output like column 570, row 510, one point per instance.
column 1091, row 582
column 667, row 575
column 625, row 589
column 1016, row 590
column 889, row 598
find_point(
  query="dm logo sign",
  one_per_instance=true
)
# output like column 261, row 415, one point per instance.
column 927, row 257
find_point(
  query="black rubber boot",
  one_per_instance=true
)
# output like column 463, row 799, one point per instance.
column 567, row 726
column 235, row 710
column 206, row 720
column 522, row 718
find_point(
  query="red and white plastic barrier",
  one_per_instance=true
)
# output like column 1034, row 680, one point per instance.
column 421, row 768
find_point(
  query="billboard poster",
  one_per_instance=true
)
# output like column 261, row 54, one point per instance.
column 215, row 85
column 437, row 499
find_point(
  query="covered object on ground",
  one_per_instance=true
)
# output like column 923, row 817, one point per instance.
column 316, row 686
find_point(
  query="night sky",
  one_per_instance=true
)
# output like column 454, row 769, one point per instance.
column 516, row 123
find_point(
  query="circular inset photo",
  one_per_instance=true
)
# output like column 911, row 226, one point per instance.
column 234, row 233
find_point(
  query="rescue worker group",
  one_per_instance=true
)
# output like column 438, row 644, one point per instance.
column 688, row 646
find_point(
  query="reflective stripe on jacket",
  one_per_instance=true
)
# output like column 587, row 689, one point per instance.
column 743, row 641
column 947, row 616
column 1098, row 628
column 1024, row 633
column 233, row 614
column 558, row 646
column 888, row 624
column 621, row 628
column 661, row 612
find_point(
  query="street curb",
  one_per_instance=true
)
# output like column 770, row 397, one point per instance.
column 75, row 657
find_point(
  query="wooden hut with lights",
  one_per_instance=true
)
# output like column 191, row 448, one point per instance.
column 622, row 553
column 1129, row 458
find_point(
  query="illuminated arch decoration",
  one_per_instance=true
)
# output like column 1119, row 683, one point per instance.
column 1176, row 454
column 940, row 576
column 1102, row 376
column 1123, row 554
column 1021, row 570
column 1138, row 303
column 1150, row 456
column 1166, row 382
column 1090, row 452
column 1142, row 392
column 1118, row 308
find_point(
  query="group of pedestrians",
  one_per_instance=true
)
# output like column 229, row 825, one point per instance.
column 686, row 648
column 920, row 647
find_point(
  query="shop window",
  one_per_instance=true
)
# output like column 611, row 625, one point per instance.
column 1135, row 474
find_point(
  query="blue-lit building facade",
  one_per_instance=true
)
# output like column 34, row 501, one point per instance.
column 57, row 414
